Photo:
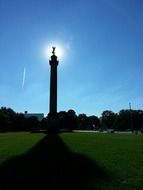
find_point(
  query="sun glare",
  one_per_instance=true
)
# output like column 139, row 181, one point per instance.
column 58, row 51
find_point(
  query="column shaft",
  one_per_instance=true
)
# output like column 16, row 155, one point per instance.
column 53, row 90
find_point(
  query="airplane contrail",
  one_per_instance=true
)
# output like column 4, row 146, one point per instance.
column 23, row 81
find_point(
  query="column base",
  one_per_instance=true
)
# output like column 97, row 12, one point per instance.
column 52, row 123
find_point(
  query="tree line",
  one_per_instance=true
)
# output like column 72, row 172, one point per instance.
column 124, row 120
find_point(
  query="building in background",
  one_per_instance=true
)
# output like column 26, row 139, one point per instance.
column 39, row 116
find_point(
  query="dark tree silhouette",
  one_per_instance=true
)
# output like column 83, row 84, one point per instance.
column 94, row 122
column 7, row 119
column 32, row 123
column 108, row 119
column 20, row 122
column 83, row 122
column 68, row 120
column 124, row 120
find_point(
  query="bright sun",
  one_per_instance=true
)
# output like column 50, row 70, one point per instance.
column 58, row 51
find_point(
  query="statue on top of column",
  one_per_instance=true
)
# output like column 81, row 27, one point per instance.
column 53, row 52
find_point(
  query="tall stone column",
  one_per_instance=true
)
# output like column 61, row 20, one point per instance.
column 53, row 84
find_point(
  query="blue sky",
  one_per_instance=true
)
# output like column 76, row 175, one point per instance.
column 102, row 64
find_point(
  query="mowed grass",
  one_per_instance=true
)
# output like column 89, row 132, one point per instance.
column 117, row 157
column 15, row 144
column 120, row 154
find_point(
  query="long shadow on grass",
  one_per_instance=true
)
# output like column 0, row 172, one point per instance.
column 51, row 165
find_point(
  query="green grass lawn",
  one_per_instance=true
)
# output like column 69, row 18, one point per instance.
column 73, row 160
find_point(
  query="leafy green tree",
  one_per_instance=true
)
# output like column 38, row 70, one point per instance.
column 108, row 119
column 68, row 120
column 72, row 119
column 94, row 122
column 44, row 124
column 20, row 122
column 130, row 120
column 83, row 122
column 7, row 119
column 125, row 120
column 63, row 120
column 32, row 123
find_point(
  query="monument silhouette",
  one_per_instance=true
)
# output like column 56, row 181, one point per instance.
column 53, row 84
column 52, row 116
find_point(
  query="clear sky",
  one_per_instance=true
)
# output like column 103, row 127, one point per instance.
column 102, row 63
